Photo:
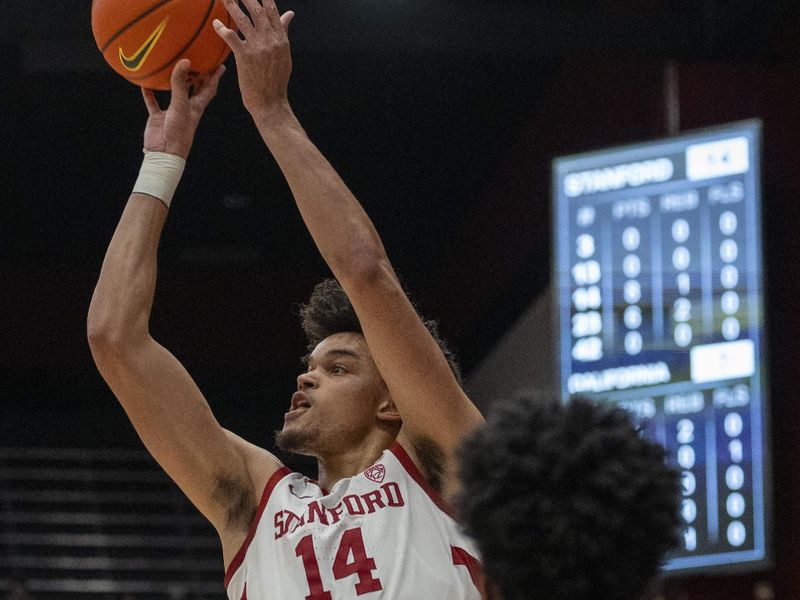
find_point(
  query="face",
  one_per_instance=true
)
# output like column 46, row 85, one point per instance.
column 337, row 401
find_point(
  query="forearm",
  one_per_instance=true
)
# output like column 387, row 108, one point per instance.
column 122, row 300
column 341, row 229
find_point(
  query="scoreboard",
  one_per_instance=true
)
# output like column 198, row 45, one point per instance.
column 658, row 272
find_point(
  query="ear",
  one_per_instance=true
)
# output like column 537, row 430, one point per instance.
column 387, row 411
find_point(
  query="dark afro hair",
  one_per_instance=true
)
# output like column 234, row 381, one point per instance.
column 329, row 311
column 568, row 502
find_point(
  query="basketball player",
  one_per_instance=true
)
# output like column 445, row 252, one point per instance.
column 378, row 406
column 567, row 502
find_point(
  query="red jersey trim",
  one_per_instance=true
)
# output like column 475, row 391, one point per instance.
column 473, row 565
column 239, row 558
column 408, row 464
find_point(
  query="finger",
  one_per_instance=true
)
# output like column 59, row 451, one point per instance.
column 179, row 82
column 257, row 13
column 286, row 18
column 242, row 21
column 208, row 88
column 228, row 36
column 150, row 102
column 272, row 14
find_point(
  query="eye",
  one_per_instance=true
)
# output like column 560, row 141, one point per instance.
column 338, row 369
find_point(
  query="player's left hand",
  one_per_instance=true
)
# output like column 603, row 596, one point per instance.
column 173, row 130
column 263, row 57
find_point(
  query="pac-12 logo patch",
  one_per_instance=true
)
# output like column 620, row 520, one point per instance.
column 376, row 473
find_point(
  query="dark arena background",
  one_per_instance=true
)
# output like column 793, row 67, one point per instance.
column 444, row 119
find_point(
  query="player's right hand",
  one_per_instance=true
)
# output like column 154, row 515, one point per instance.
column 172, row 130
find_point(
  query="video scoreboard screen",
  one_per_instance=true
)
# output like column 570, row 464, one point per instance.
column 660, row 310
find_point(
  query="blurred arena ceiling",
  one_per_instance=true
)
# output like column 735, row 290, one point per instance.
column 423, row 106
column 52, row 35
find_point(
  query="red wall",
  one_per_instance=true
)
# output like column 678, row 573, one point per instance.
column 715, row 95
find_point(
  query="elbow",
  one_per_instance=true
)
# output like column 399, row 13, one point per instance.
column 366, row 270
column 361, row 262
column 108, row 337
column 104, row 340
column 99, row 326
column 99, row 336
column 112, row 349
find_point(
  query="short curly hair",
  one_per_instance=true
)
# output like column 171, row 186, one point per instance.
column 329, row 311
column 568, row 501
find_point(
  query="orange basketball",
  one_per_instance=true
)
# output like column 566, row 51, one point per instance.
column 143, row 39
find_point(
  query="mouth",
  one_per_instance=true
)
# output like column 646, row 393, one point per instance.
column 300, row 402
column 293, row 414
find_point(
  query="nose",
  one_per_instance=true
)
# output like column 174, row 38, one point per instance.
column 305, row 381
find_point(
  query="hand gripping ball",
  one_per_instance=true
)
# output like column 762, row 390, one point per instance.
column 143, row 39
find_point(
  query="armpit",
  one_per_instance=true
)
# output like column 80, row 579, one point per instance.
column 432, row 461
column 237, row 499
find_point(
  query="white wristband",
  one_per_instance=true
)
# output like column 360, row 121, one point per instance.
column 159, row 175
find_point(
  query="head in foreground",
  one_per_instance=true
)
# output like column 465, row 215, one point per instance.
column 568, row 502
column 341, row 403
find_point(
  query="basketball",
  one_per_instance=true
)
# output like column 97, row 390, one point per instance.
column 143, row 39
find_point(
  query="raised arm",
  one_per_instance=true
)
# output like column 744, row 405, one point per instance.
column 220, row 473
column 430, row 401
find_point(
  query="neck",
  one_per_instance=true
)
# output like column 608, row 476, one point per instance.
column 335, row 466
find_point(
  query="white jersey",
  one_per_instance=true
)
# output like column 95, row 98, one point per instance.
column 384, row 533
